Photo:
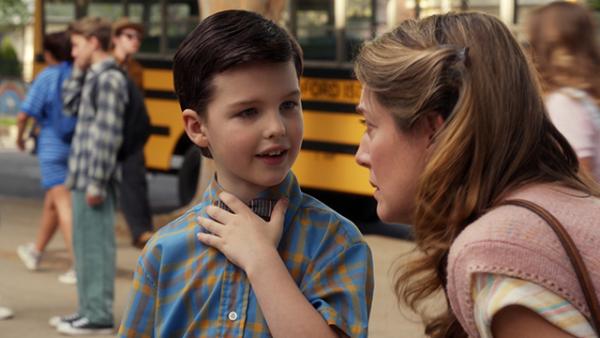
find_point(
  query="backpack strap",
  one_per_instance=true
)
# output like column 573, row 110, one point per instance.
column 94, row 88
column 581, row 271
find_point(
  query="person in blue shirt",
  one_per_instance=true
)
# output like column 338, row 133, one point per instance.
column 256, row 257
column 42, row 103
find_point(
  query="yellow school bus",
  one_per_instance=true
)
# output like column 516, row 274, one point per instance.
column 332, row 129
column 329, row 32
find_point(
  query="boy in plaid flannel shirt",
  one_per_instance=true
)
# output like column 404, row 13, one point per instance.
column 221, row 270
column 93, row 173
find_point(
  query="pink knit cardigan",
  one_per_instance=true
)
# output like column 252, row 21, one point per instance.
column 515, row 242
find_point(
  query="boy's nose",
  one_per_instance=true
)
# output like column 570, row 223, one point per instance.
column 362, row 154
column 275, row 126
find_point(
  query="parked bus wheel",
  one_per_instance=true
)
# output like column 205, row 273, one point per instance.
column 188, row 175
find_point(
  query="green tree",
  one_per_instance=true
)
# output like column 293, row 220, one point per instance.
column 10, row 66
column 594, row 4
column 13, row 13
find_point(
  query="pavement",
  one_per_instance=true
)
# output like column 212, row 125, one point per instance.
column 36, row 296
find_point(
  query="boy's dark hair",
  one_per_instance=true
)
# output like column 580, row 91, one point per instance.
column 222, row 41
column 97, row 27
column 59, row 45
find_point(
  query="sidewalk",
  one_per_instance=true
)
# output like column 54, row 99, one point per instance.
column 37, row 296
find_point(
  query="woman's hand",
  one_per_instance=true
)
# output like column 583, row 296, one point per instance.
column 243, row 237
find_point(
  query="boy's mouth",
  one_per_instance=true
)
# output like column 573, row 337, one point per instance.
column 272, row 153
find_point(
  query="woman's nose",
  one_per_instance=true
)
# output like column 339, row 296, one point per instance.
column 362, row 154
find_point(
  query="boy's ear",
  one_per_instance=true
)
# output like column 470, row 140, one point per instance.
column 94, row 41
column 195, row 128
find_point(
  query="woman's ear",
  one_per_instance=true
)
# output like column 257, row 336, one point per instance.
column 195, row 128
column 433, row 123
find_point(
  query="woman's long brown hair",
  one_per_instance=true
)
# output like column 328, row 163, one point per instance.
column 497, row 136
column 562, row 37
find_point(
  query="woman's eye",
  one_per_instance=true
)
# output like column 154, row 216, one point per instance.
column 368, row 126
column 289, row 105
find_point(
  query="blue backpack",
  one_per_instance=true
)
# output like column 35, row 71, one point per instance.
column 63, row 125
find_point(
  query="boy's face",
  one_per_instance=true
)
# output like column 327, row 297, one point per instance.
column 253, row 126
column 128, row 41
column 82, row 49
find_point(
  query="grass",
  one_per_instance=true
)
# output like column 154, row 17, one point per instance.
column 7, row 121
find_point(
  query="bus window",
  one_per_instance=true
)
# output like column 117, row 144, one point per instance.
column 182, row 17
column 107, row 9
column 149, row 14
column 58, row 15
column 359, row 25
column 315, row 29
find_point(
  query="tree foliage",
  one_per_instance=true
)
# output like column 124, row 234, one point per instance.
column 13, row 13
column 10, row 66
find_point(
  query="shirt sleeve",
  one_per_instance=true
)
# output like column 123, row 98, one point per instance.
column 106, row 133
column 138, row 320
column 71, row 92
column 493, row 292
column 339, row 284
column 573, row 120
column 37, row 95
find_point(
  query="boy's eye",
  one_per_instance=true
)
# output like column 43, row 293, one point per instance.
column 247, row 113
column 289, row 105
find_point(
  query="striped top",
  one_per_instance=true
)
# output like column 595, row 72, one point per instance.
column 493, row 292
column 99, row 132
column 44, row 99
column 183, row 288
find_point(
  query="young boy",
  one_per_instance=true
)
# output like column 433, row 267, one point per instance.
column 97, row 94
column 135, row 205
column 296, row 270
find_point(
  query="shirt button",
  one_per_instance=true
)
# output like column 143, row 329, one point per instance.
column 232, row 315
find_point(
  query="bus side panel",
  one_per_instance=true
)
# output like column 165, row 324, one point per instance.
column 167, row 128
column 331, row 171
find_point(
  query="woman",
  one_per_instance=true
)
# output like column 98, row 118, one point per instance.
column 42, row 103
column 566, row 53
column 456, row 125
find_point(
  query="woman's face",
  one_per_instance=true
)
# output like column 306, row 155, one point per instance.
column 395, row 158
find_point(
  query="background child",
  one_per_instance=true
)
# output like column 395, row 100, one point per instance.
column 43, row 103
column 97, row 94
column 304, row 271
column 135, row 205
column 567, row 55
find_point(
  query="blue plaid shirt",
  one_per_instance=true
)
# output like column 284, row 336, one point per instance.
column 183, row 288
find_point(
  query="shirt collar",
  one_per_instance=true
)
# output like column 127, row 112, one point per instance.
column 288, row 188
column 101, row 66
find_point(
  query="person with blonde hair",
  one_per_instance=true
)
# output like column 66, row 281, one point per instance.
column 566, row 53
column 456, row 131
